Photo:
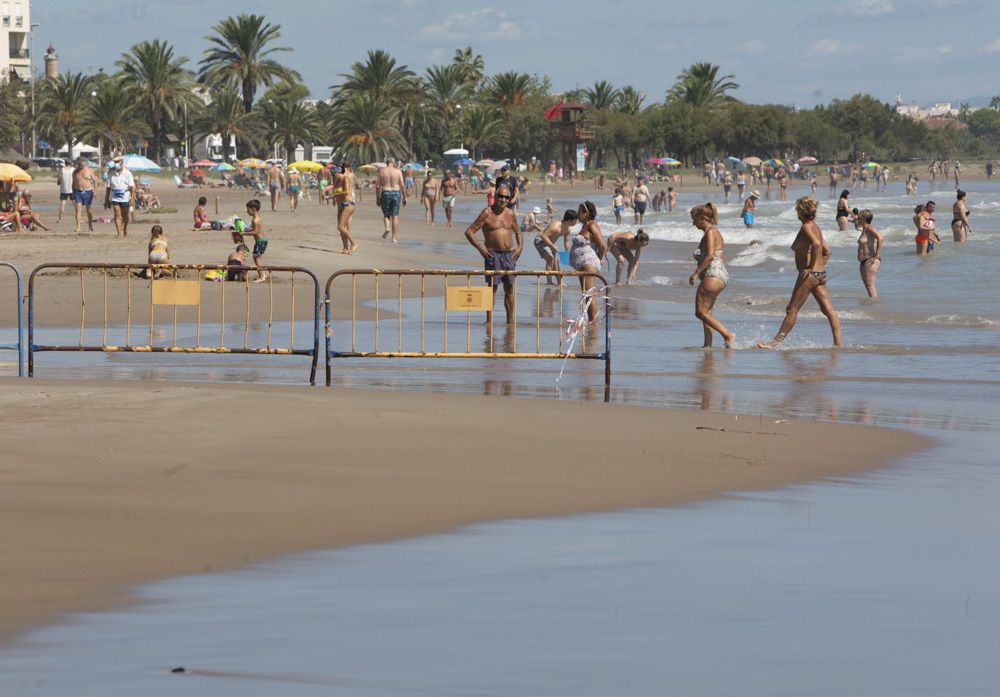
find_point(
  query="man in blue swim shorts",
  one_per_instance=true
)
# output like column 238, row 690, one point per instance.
column 500, row 231
column 749, row 208
column 390, row 193
column 84, row 183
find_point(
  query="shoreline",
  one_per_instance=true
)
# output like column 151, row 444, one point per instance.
column 164, row 498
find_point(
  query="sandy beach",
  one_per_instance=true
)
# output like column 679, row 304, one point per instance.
column 147, row 481
column 152, row 481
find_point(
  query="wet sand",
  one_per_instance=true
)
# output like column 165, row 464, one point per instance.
column 107, row 485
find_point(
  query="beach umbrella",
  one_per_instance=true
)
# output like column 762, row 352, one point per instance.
column 253, row 163
column 368, row 168
column 775, row 163
column 752, row 161
column 465, row 161
column 12, row 173
column 202, row 163
column 378, row 165
column 306, row 166
column 138, row 163
column 223, row 167
column 656, row 161
column 415, row 165
column 671, row 162
column 195, row 172
column 484, row 163
column 871, row 164
column 808, row 160
column 734, row 162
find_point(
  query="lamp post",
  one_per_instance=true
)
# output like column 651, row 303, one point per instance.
column 31, row 76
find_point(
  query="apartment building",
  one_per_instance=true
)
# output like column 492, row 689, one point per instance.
column 15, row 33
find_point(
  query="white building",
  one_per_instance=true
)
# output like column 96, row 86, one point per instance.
column 15, row 34
column 919, row 113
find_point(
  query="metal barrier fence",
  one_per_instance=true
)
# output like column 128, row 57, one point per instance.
column 168, row 287
column 19, row 346
column 465, row 299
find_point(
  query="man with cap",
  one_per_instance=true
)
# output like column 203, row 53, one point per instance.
column 530, row 222
column 505, row 179
column 749, row 206
column 120, row 194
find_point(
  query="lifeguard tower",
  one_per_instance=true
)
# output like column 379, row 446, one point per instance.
column 569, row 128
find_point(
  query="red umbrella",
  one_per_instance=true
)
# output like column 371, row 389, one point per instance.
column 197, row 173
column 808, row 160
column 202, row 163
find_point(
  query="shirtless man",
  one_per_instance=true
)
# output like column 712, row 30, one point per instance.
column 84, row 185
column 449, row 189
column 640, row 199
column 545, row 243
column 390, row 193
column 500, row 230
column 275, row 183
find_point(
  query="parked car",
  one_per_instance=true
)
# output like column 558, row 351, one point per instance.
column 50, row 162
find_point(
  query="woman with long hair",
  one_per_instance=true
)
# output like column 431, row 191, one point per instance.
column 587, row 250
column 959, row 216
column 712, row 272
column 811, row 256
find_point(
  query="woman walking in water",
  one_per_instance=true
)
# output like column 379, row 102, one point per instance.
column 811, row 256
column 959, row 217
column 869, row 249
column 927, row 235
column 712, row 272
column 587, row 250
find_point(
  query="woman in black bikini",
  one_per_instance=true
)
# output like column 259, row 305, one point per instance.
column 843, row 211
column 811, row 255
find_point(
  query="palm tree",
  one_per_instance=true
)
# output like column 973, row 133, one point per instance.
column 364, row 129
column 701, row 86
column 380, row 78
column 62, row 104
column 482, row 125
column 630, row 100
column 161, row 83
column 509, row 89
column 291, row 123
column 227, row 117
column 471, row 65
column 602, row 96
column 112, row 117
column 446, row 89
column 240, row 57
column 995, row 103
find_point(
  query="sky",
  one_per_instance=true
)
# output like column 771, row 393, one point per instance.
column 780, row 51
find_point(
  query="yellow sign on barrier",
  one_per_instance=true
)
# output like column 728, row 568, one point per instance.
column 478, row 299
column 174, row 292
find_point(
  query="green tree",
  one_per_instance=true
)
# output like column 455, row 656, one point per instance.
column 363, row 128
column 701, row 86
column 111, row 118
column 378, row 78
column 864, row 120
column 241, row 56
column 472, row 66
column 12, row 112
column 482, row 126
column 226, row 116
column 630, row 100
column 161, row 84
column 602, row 95
column 290, row 123
column 61, row 107
column 509, row 89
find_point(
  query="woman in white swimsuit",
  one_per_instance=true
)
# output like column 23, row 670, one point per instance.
column 582, row 254
column 711, row 271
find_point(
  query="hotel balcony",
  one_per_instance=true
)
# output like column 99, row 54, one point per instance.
column 20, row 54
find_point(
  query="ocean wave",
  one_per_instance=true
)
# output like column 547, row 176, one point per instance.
column 661, row 281
column 758, row 254
column 963, row 321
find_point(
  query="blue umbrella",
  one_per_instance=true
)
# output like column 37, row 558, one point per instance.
column 415, row 165
column 734, row 163
column 138, row 163
column 465, row 161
